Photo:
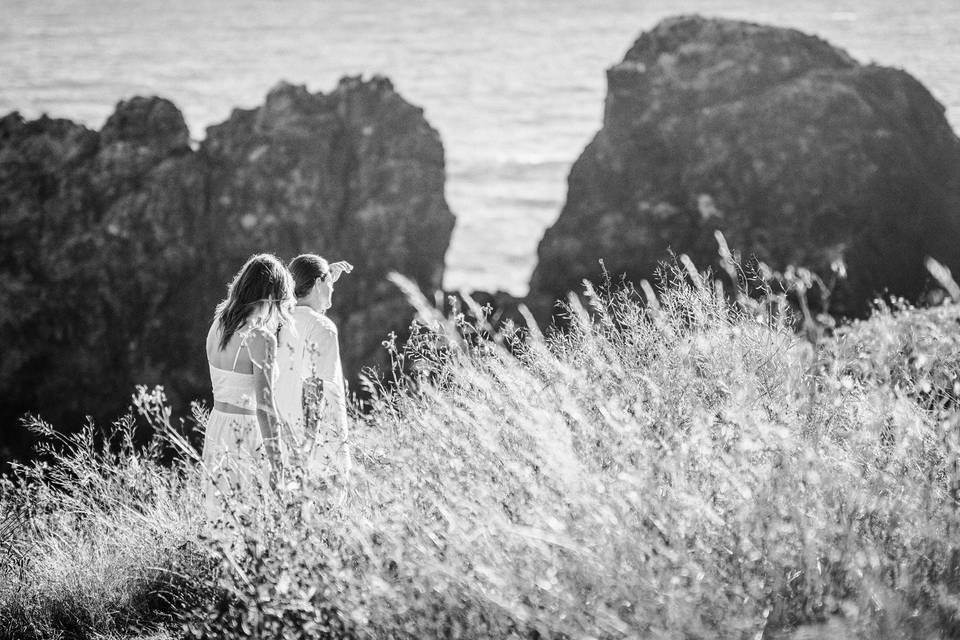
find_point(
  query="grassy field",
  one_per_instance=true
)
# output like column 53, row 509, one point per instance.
column 688, row 467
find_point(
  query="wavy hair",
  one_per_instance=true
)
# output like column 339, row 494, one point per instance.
column 261, row 290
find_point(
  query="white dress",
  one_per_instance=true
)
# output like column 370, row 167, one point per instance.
column 308, row 350
column 236, row 469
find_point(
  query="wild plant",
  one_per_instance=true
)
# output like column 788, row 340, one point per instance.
column 687, row 467
column 678, row 462
column 104, row 538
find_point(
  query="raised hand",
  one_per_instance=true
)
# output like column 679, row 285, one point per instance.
column 339, row 268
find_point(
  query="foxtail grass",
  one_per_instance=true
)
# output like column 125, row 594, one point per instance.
column 678, row 462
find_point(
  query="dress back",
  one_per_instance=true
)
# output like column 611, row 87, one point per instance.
column 233, row 387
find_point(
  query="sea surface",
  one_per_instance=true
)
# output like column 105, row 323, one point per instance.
column 515, row 87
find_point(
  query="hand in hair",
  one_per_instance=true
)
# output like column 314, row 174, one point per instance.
column 339, row 268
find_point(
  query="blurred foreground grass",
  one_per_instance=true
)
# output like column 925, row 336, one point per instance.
column 692, row 467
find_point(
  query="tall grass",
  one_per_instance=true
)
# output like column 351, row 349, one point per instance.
column 99, row 538
column 684, row 466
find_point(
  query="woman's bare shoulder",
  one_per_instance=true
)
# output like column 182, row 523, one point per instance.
column 213, row 338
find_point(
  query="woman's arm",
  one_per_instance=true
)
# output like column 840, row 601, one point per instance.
column 263, row 354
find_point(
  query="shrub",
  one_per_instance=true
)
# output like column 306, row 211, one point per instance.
column 688, row 467
column 100, row 537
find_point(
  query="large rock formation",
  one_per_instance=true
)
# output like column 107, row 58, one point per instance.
column 117, row 244
column 358, row 175
column 91, row 261
column 797, row 153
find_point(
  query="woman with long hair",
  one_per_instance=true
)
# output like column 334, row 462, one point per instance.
column 241, row 449
column 312, row 397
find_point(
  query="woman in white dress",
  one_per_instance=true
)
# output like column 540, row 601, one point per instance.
column 311, row 395
column 241, row 448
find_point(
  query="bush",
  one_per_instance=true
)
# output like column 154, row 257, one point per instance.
column 100, row 538
column 688, row 467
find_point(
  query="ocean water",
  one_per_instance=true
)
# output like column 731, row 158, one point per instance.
column 515, row 87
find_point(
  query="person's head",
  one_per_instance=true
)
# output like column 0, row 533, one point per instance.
column 312, row 280
column 261, row 295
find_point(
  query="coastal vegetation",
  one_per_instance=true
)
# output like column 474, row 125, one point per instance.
column 678, row 463
column 699, row 457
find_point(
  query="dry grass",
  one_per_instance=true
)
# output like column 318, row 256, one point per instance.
column 688, row 468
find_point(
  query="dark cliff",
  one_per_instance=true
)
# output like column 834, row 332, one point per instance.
column 792, row 149
column 117, row 244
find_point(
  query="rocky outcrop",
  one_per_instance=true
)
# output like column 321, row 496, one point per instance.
column 92, row 261
column 357, row 174
column 118, row 243
column 792, row 149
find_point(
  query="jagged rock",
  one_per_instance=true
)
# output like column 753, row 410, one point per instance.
column 356, row 174
column 90, row 268
column 797, row 153
column 118, row 243
column 152, row 124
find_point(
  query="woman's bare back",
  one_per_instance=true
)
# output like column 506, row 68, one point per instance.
column 236, row 355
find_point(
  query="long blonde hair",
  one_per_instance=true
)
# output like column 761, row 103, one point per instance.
column 261, row 292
